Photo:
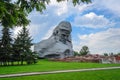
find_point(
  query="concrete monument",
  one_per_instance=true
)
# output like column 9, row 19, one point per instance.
column 58, row 45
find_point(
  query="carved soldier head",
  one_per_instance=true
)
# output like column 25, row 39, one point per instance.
column 62, row 32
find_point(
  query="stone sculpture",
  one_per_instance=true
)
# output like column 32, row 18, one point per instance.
column 58, row 45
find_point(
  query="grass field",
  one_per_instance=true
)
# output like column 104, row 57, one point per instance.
column 44, row 65
column 89, row 75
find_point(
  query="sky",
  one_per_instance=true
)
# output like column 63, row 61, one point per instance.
column 96, row 25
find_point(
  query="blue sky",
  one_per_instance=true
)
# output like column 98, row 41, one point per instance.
column 96, row 25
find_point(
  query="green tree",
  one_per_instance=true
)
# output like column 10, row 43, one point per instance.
column 118, row 53
column 11, row 14
column 76, row 53
column 1, row 52
column 6, row 46
column 111, row 54
column 22, row 46
column 15, row 13
column 84, row 50
column 17, row 48
column 105, row 54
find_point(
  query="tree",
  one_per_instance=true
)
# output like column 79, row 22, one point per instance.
column 118, row 53
column 76, row 53
column 6, row 46
column 11, row 14
column 22, row 46
column 105, row 54
column 1, row 54
column 84, row 50
column 111, row 54
column 17, row 48
column 15, row 13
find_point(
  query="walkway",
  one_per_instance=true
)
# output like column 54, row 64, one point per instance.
column 53, row 72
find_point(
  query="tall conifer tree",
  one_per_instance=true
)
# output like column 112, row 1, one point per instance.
column 6, row 45
column 23, row 43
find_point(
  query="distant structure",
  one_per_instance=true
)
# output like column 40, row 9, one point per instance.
column 58, row 45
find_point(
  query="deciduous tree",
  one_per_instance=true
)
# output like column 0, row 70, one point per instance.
column 84, row 50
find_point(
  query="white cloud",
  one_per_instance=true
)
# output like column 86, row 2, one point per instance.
column 36, row 30
column 15, row 31
column 111, row 5
column 60, row 9
column 101, row 42
column 92, row 20
column 49, row 33
column 67, row 8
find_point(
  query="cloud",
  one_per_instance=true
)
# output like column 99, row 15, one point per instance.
column 92, row 20
column 67, row 8
column 59, row 9
column 101, row 42
column 49, row 33
column 16, row 31
column 111, row 5
column 35, row 30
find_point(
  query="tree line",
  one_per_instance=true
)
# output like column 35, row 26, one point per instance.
column 85, row 50
column 17, row 50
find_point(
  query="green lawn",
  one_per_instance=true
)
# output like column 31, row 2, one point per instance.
column 89, row 75
column 44, row 65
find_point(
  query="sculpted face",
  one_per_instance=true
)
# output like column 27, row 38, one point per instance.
column 63, row 31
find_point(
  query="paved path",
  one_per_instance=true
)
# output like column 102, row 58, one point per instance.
column 52, row 72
